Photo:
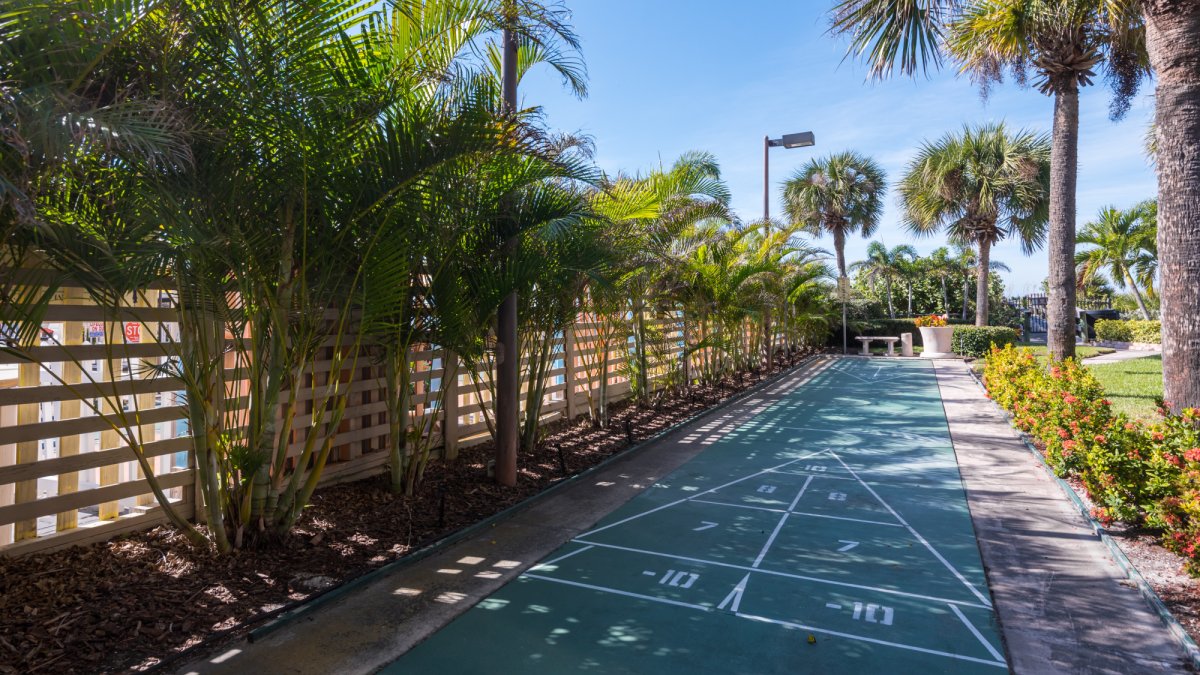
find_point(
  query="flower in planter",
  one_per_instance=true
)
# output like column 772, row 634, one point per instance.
column 931, row 321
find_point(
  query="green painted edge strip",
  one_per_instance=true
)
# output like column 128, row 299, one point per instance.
column 290, row 613
column 1190, row 649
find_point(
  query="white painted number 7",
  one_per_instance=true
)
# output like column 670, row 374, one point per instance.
column 848, row 545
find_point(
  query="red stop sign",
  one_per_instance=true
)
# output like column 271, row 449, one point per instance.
column 133, row 332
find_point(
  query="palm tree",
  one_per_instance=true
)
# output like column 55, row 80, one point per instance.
column 911, row 269
column 1173, row 43
column 1063, row 42
column 1121, row 246
column 944, row 267
column 840, row 194
column 886, row 265
column 981, row 186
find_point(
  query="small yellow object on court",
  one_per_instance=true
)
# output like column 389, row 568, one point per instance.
column 812, row 639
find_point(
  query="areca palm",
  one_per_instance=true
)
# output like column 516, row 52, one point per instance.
column 980, row 186
column 840, row 194
column 1121, row 246
column 887, row 265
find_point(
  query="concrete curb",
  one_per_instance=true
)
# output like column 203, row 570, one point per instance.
column 1189, row 647
column 288, row 614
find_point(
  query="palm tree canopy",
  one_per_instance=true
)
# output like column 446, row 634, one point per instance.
column 1065, row 41
column 981, row 184
column 1121, row 244
column 842, row 192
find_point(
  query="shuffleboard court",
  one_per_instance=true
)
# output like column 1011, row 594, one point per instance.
column 825, row 531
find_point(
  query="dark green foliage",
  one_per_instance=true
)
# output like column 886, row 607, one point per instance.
column 976, row 341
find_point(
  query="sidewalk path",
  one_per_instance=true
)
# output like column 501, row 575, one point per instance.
column 1062, row 601
column 1119, row 355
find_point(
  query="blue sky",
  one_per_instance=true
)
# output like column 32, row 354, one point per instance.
column 668, row 76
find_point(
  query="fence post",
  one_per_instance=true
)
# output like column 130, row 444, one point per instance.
column 450, row 404
column 114, row 335
column 73, row 334
column 569, row 371
column 28, row 375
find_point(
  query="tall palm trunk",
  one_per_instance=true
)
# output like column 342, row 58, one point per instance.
column 891, row 310
column 909, row 299
column 1137, row 295
column 1064, row 160
column 1173, row 40
column 966, row 295
column 945, row 297
column 981, row 282
column 839, row 247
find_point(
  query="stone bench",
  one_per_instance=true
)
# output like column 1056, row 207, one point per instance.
column 867, row 339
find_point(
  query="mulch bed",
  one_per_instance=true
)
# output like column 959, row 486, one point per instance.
column 137, row 602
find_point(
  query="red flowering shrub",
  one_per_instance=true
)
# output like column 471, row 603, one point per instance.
column 1131, row 472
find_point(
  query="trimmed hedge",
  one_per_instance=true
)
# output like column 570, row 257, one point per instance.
column 1129, row 331
column 977, row 341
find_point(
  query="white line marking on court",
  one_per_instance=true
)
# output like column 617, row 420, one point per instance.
column 562, row 557
column 735, row 596
column 704, row 525
column 823, row 476
column 794, row 513
column 916, row 534
column 699, row 494
column 903, row 434
column 783, row 519
column 814, row 629
column 974, row 631
column 833, row 605
column 788, row 575
column 848, row 545
column 852, row 520
column 618, row 592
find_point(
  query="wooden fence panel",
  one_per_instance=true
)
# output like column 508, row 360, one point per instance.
column 67, row 476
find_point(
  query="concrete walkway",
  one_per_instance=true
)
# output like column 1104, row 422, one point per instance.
column 1060, row 599
column 1119, row 355
column 1063, row 603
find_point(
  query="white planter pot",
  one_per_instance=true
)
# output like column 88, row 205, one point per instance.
column 936, row 341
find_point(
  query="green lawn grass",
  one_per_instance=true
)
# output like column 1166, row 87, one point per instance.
column 1132, row 386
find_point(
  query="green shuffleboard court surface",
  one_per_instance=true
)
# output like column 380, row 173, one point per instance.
column 823, row 530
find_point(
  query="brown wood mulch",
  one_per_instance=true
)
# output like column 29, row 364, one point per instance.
column 138, row 602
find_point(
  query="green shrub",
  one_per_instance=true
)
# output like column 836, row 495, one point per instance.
column 1129, row 331
column 976, row 341
column 1110, row 330
column 1146, row 331
column 1130, row 471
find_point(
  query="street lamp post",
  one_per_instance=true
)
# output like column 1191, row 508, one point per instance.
column 788, row 141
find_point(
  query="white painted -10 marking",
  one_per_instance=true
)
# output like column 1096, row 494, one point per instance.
column 888, row 614
column 679, row 579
